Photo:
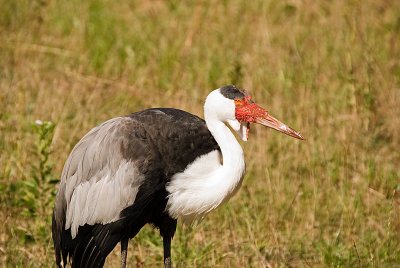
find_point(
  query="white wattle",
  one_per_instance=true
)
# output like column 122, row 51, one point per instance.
column 211, row 179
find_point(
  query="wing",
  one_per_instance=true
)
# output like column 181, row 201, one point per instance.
column 99, row 180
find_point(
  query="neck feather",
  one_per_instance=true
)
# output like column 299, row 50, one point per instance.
column 206, row 184
column 228, row 176
column 232, row 153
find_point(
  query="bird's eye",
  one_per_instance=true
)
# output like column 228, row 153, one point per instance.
column 238, row 102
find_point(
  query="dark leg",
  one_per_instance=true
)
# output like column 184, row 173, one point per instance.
column 167, row 227
column 167, row 251
column 124, row 252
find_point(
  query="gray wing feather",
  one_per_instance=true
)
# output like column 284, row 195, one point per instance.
column 97, row 181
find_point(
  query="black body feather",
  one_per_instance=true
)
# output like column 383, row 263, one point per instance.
column 161, row 142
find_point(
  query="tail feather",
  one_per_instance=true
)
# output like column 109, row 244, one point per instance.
column 91, row 249
column 56, row 241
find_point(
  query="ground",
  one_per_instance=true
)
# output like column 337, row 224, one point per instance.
column 329, row 69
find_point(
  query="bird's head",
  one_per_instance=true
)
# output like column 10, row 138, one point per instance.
column 234, row 106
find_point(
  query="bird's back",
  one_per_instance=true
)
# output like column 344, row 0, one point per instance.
column 180, row 137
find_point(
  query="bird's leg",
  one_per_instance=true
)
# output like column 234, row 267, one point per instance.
column 124, row 251
column 167, row 227
column 167, row 251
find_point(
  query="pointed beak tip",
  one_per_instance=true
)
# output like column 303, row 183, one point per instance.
column 291, row 132
column 269, row 121
column 296, row 135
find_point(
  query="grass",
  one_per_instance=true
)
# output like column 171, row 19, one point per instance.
column 330, row 69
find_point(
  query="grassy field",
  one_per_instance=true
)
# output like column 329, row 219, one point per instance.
column 330, row 69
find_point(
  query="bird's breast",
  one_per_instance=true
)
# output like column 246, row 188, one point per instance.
column 201, row 187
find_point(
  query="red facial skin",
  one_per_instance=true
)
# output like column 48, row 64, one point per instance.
column 247, row 111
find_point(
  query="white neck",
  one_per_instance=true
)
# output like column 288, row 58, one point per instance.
column 218, row 109
column 207, row 183
column 233, row 165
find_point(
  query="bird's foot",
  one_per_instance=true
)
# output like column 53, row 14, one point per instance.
column 167, row 262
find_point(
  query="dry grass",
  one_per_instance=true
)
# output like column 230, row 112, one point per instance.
column 330, row 69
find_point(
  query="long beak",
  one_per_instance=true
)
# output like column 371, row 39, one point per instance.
column 269, row 121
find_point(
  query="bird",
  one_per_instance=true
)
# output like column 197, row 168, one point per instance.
column 155, row 166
